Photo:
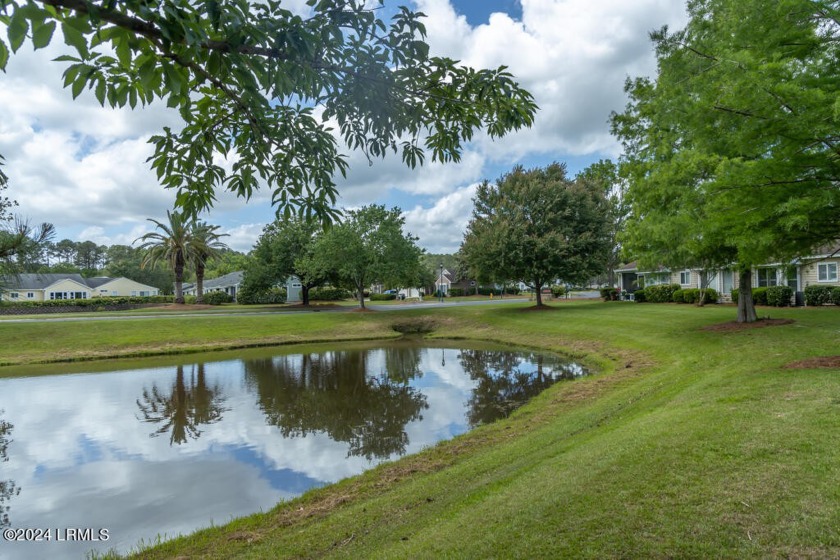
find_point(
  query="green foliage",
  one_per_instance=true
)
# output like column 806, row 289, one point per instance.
column 679, row 296
column 456, row 292
column 609, row 294
column 835, row 296
column 692, row 295
column 731, row 151
column 661, row 293
column 369, row 247
column 331, row 294
column 640, row 296
column 537, row 226
column 760, row 296
column 818, row 295
column 383, row 297
column 91, row 302
column 217, row 298
column 558, row 290
column 247, row 296
column 245, row 77
column 779, row 296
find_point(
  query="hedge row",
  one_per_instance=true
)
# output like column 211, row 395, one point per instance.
column 692, row 295
column 261, row 297
column 92, row 302
column 329, row 294
column 217, row 298
column 775, row 296
column 382, row 297
column 822, row 295
column 674, row 293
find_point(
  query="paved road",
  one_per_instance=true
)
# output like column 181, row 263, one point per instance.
column 428, row 304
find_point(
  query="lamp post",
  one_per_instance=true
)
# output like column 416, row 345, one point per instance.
column 440, row 284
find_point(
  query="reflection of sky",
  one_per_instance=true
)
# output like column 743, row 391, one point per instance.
column 83, row 457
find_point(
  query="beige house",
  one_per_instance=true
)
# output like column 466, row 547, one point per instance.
column 821, row 268
column 46, row 287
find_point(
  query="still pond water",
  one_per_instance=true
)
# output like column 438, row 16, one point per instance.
column 154, row 449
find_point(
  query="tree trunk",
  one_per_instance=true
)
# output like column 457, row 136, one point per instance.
column 746, row 307
column 179, row 281
column 304, row 292
column 361, row 291
column 199, row 284
column 538, row 289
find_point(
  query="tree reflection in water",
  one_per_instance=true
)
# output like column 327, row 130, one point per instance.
column 184, row 407
column 332, row 393
column 8, row 488
column 503, row 386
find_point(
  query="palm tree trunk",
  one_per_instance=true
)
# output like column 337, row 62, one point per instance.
column 179, row 281
column 199, row 283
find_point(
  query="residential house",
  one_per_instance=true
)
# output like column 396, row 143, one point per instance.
column 229, row 284
column 821, row 268
column 46, row 287
column 443, row 281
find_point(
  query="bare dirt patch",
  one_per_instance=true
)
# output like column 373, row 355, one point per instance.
column 827, row 362
column 736, row 327
column 542, row 307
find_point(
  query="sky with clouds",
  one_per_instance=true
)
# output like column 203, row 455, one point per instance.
column 83, row 167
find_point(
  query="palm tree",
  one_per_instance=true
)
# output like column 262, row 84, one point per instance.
column 205, row 244
column 171, row 245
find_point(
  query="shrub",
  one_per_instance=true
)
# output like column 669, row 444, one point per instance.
column 734, row 295
column 680, row 296
column 818, row 295
column 759, row 296
column 779, row 296
column 609, row 294
column 383, row 297
column 261, row 297
column 456, row 292
column 485, row 291
column 329, row 294
column 558, row 290
column 710, row 296
column 639, row 296
column 217, row 298
column 835, row 296
column 661, row 293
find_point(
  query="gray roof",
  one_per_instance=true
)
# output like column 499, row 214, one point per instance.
column 38, row 281
column 98, row 281
column 232, row 279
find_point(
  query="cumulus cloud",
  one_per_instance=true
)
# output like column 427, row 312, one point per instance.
column 441, row 227
column 81, row 166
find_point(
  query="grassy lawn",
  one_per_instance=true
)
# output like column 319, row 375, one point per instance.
column 689, row 443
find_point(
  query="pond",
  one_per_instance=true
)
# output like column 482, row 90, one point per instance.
column 151, row 449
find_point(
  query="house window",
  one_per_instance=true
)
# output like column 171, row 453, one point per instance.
column 766, row 277
column 685, row 278
column 827, row 272
column 13, row 295
column 30, row 295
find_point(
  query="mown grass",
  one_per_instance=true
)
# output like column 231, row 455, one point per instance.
column 688, row 444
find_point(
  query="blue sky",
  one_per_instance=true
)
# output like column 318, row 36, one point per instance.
column 84, row 168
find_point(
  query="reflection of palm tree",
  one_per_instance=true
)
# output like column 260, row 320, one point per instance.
column 7, row 487
column 186, row 406
column 503, row 386
column 332, row 393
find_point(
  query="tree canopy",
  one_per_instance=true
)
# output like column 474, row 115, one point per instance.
column 537, row 226
column 264, row 87
column 368, row 247
column 731, row 152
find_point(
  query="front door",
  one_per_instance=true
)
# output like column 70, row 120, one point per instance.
column 727, row 281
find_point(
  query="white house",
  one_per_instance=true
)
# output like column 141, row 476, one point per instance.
column 46, row 287
column 229, row 284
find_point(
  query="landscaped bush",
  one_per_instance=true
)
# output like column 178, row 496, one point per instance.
column 609, row 294
column 759, row 296
column 639, row 296
column 558, row 290
column 261, row 297
column 835, row 296
column 779, row 296
column 486, row 291
column 679, row 296
column 329, row 294
column 709, row 296
column 818, row 295
column 382, row 297
column 661, row 293
column 456, row 292
column 92, row 302
column 217, row 298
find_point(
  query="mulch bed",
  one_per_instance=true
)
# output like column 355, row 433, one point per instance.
column 736, row 327
column 828, row 362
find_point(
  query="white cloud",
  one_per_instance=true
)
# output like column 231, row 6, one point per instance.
column 441, row 227
column 243, row 237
